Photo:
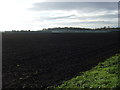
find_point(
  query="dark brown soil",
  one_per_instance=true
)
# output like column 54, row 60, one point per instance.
column 40, row 60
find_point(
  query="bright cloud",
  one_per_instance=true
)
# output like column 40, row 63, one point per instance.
column 38, row 14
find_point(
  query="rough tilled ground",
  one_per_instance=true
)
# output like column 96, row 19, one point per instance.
column 43, row 59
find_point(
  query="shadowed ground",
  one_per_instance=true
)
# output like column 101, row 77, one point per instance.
column 42, row 59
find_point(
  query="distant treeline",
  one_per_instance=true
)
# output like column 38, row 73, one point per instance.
column 68, row 29
column 77, row 28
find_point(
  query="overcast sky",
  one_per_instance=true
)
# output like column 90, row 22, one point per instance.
column 38, row 14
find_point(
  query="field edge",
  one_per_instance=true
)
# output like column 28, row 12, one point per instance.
column 104, row 75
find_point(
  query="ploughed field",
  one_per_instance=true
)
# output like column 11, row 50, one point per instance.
column 33, row 59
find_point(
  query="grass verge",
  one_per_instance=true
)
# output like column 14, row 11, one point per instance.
column 104, row 75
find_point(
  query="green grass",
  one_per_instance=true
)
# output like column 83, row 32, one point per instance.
column 104, row 75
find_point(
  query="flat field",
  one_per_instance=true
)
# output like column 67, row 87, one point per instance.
column 34, row 59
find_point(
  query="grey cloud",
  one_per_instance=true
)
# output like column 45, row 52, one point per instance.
column 63, row 17
column 100, row 22
column 81, row 7
column 102, row 17
column 110, row 16
column 86, row 6
column 89, row 23
column 106, row 16
column 55, row 18
column 74, row 17
column 92, row 22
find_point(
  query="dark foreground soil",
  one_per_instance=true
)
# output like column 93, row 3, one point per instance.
column 43, row 59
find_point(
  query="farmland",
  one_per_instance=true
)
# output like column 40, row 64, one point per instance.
column 33, row 59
